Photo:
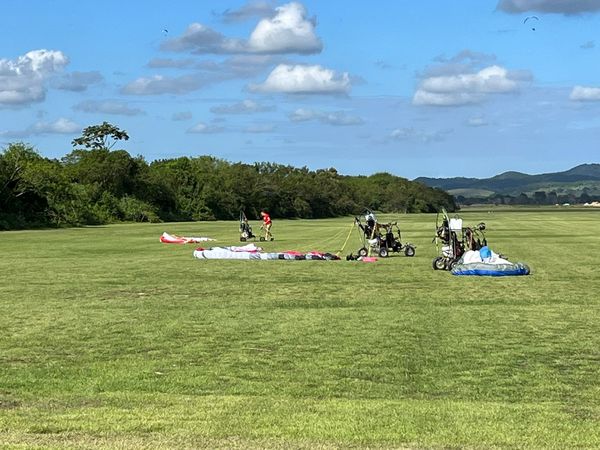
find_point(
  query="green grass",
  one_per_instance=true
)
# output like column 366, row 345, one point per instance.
column 110, row 339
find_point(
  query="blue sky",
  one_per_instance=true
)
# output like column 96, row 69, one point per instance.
column 415, row 88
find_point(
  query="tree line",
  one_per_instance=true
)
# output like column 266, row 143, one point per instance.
column 94, row 184
column 535, row 198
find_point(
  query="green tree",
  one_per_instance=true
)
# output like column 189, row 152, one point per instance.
column 20, row 201
column 115, row 172
column 103, row 136
column 540, row 197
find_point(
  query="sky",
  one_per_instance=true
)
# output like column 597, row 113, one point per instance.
column 414, row 88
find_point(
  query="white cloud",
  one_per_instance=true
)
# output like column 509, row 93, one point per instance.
column 115, row 107
column 465, row 88
column 489, row 80
column 585, row 94
column 42, row 61
column 288, row 31
column 205, row 128
column 565, row 7
column 243, row 107
column 304, row 79
column 59, row 126
column 336, row 118
column 422, row 97
column 22, row 80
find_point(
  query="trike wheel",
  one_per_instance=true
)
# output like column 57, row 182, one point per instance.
column 439, row 263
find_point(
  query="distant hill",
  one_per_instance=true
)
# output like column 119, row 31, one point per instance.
column 514, row 183
column 571, row 184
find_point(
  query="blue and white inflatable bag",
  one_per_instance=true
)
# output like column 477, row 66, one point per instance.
column 487, row 263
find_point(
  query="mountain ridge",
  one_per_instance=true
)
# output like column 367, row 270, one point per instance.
column 578, row 178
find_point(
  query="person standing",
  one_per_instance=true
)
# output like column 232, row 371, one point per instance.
column 266, row 225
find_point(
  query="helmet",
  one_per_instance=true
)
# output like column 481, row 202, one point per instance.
column 485, row 252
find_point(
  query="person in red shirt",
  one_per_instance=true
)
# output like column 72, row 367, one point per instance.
column 266, row 225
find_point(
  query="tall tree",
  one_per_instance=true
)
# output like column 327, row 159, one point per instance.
column 103, row 136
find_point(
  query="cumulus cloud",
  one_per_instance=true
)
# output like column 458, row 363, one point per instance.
column 23, row 80
column 205, row 128
column 585, row 94
column 181, row 116
column 248, row 11
column 59, row 126
column 304, row 79
column 78, row 81
column 336, row 118
column 565, row 7
column 467, row 88
column 490, row 79
column 243, row 107
column 288, row 31
column 115, row 107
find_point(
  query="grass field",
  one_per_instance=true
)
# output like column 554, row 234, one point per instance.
column 110, row 339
